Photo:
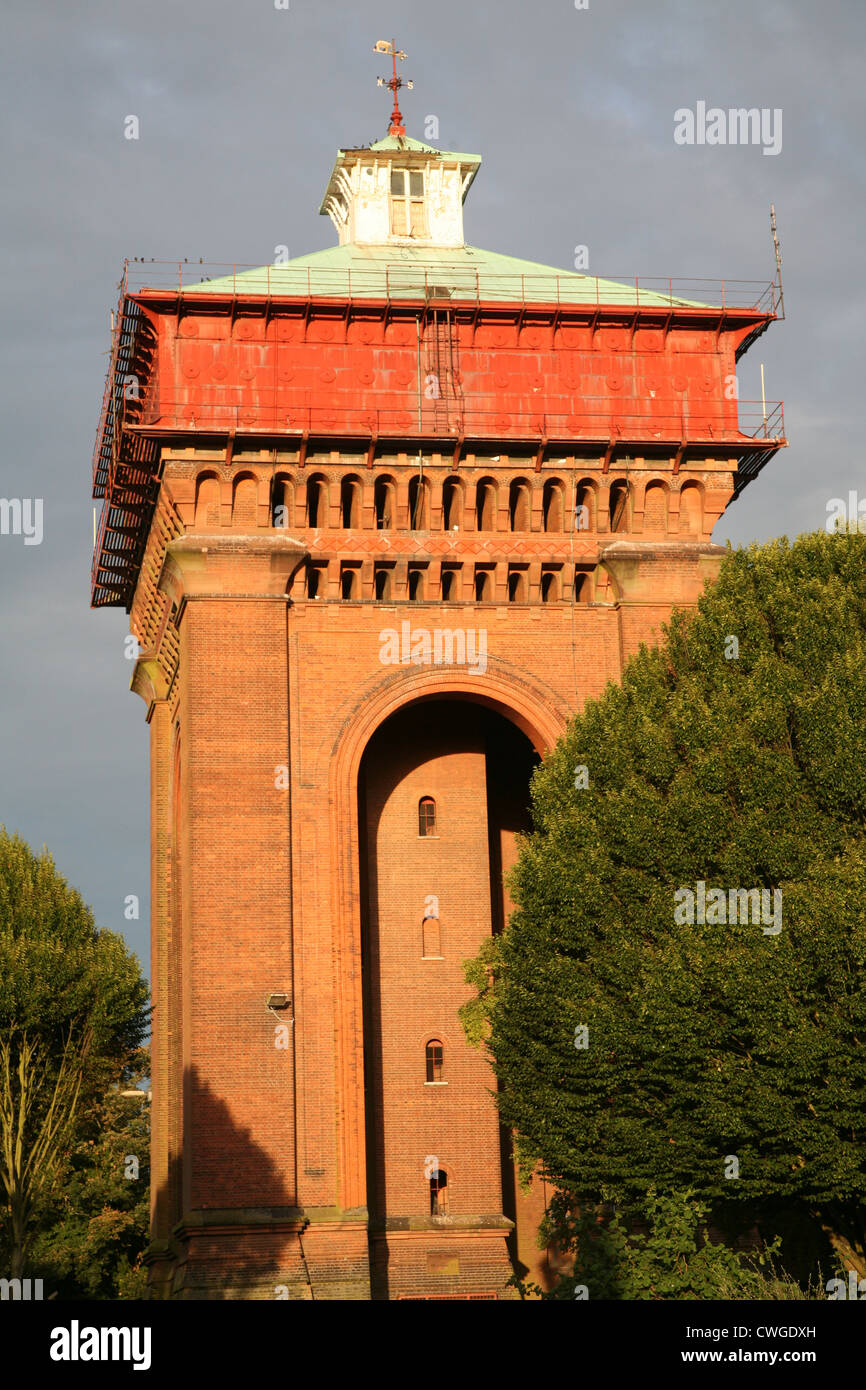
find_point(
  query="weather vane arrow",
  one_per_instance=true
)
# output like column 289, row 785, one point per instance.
column 394, row 83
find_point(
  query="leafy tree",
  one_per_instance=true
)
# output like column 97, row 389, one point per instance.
column 665, row 1252
column 90, row 1235
column 72, row 1016
column 720, row 1057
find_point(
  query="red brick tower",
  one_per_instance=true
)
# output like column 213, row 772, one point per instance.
column 383, row 517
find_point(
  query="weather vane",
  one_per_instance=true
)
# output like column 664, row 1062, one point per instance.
column 394, row 83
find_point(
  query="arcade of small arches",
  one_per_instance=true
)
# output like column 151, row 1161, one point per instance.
column 413, row 501
column 326, row 502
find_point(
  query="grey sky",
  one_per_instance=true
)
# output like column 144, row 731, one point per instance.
column 241, row 109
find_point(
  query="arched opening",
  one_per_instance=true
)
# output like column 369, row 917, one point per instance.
column 452, row 504
column 383, row 584
column 483, row 586
column 618, row 506
column 416, row 585
column 655, row 512
column 427, row 816
column 207, row 502
column 431, row 939
column 244, row 498
column 582, row 587
column 485, row 505
column 584, row 507
column 314, row 579
column 549, row 586
column 438, row 1192
column 434, row 1055
column 475, row 765
column 384, row 504
column 283, row 502
column 349, row 582
column 449, row 586
column 517, row 586
column 350, row 503
column 519, row 505
column 317, row 501
column 691, row 509
column 419, row 504
column 553, row 503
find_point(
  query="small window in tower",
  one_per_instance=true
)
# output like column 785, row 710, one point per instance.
column 426, row 816
column 349, row 582
column 431, row 939
column 407, row 203
column 448, row 583
column 438, row 1193
column 434, row 1061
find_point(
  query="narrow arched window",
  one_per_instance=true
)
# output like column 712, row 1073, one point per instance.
column 447, row 585
column 383, row 584
column 438, row 1193
column 416, row 585
column 582, row 587
column 434, row 1055
column 383, row 503
column 619, row 507
column 482, row 586
column 549, row 587
column 516, row 586
column 426, row 816
column 552, row 505
column 419, row 504
column 350, row 503
column 349, row 583
column 317, row 502
column 452, row 505
column 485, row 506
column 518, row 505
column 431, row 939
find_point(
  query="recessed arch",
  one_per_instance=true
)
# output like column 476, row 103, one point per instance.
column 585, row 505
column 385, row 502
column 350, row 502
column 452, row 504
column 655, row 510
column 553, row 504
column 527, row 702
column 520, row 504
column 317, row 501
column 207, row 501
column 486, row 495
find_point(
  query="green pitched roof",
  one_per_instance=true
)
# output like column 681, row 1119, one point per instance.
column 404, row 272
column 399, row 143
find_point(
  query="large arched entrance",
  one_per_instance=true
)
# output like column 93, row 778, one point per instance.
column 442, row 795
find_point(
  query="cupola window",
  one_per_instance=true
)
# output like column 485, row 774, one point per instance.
column 407, row 203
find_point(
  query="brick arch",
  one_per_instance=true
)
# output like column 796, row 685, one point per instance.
column 540, row 715
column 206, row 508
column 245, row 490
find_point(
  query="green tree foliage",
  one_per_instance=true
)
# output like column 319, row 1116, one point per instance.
column 73, row 1014
column 666, row 1253
column 715, row 1040
column 90, row 1235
